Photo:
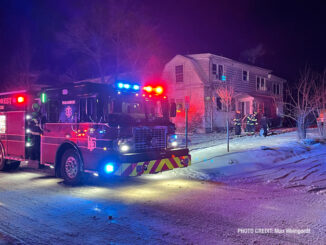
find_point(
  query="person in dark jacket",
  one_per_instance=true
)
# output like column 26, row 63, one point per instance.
column 248, row 123
column 254, row 123
column 264, row 124
column 237, row 123
column 36, row 131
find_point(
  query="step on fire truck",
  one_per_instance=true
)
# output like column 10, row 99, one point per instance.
column 122, row 129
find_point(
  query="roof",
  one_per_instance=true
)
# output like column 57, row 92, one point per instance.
column 209, row 55
column 254, row 95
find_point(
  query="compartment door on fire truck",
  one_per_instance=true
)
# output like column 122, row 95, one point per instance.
column 3, row 129
column 15, row 131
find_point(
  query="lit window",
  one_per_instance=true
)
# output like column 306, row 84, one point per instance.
column 179, row 104
column 179, row 74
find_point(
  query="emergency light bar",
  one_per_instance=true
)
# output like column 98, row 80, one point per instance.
column 127, row 86
column 157, row 90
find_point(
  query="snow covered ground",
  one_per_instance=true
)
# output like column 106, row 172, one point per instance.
column 279, row 158
column 240, row 197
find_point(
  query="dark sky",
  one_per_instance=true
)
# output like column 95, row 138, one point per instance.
column 290, row 34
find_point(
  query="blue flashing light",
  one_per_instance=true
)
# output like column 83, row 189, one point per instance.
column 126, row 85
column 120, row 85
column 136, row 87
column 174, row 136
column 109, row 168
column 223, row 78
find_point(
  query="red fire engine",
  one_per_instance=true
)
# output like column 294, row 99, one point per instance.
column 122, row 129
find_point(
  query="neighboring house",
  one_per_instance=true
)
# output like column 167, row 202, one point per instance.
column 196, row 78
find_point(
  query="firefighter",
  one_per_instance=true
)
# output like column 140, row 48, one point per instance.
column 248, row 123
column 237, row 123
column 36, row 131
column 254, row 122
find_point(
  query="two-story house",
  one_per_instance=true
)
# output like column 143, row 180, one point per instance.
column 197, row 78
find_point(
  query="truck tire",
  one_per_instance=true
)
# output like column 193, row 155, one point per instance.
column 3, row 161
column 71, row 167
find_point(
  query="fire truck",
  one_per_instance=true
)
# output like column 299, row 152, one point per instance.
column 84, row 128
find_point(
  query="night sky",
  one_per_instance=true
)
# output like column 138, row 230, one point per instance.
column 286, row 34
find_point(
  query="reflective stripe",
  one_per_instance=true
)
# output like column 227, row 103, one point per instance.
column 153, row 166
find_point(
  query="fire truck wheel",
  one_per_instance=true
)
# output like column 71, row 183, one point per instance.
column 70, row 167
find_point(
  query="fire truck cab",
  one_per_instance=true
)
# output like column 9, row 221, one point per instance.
column 121, row 129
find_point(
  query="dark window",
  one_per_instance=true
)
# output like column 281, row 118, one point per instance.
column 274, row 88
column 245, row 75
column 179, row 74
column 90, row 110
column 261, row 85
column 218, row 103
column 220, row 72
column 278, row 89
column 53, row 111
column 214, row 69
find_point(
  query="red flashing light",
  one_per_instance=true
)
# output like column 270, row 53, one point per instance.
column 20, row 99
column 159, row 90
column 155, row 90
column 148, row 89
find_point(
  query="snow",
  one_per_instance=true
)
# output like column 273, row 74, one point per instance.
column 262, row 183
column 278, row 158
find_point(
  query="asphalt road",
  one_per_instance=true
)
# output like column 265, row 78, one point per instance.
column 36, row 208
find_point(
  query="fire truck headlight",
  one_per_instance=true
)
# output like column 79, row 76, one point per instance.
column 28, row 117
column 109, row 168
column 28, row 144
column 124, row 148
column 28, row 131
column 173, row 141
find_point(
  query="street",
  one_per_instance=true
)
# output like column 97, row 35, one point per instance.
column 166, row 208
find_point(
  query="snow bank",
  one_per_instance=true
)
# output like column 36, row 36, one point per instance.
column 280, row 159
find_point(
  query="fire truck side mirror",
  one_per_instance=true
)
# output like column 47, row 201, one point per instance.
column 173, row 109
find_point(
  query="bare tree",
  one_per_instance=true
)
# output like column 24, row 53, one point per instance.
column 114, row 35
column 88, row 36
column 226, row 93
column 320, row 98
column 302, row 101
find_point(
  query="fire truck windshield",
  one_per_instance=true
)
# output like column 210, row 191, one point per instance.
column 140, row 109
